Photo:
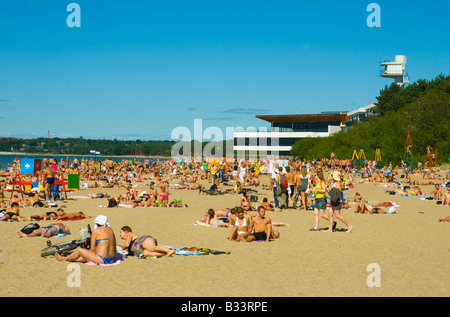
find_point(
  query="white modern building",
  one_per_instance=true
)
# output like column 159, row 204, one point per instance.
column 285, row 130
column 396, row 70
column 360, row 114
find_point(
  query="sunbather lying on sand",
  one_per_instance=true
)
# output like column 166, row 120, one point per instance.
column 142, row 246
column 47, row 232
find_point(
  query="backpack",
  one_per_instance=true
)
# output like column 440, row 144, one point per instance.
column 112, row 203
column 29, row 228
column 283, row 182
column 335, row 196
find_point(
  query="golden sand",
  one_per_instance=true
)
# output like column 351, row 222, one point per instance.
column 410, row 248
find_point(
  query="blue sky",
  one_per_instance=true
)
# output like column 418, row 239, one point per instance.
column 138, row 69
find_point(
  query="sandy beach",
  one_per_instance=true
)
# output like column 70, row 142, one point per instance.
column 409, row 247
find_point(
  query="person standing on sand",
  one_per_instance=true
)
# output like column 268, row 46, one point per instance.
column 275, row 180
column 320, row 201
column 336, row 210
column 48, row 179
column 47, row 232
column 290, row 189
column 281, row 191
column 303, row 183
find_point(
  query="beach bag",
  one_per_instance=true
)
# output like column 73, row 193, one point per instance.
column 29, row 228
column 112, row 203
column 303, row 185
column 284, row 182
column 335, row 196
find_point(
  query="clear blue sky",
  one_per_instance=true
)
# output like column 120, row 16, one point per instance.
column 139, row 69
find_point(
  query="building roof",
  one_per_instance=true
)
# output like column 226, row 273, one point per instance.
column 362, row 109
column 290, row 118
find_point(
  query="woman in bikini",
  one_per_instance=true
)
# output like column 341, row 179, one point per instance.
column 72, row 215
column 47, row 232
column 142, row 246
column 103, row 246
column 51, row 215
column 212, row 217
column 240, row 225
column 164, row 195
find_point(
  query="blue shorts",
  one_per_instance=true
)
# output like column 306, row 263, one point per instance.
column 320, row 203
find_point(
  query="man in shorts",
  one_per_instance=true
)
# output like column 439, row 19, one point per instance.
column 48, row 179
column 11, row 213
column 260, row 227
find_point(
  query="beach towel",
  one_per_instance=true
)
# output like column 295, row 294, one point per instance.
column 125, row 205
column 408, row 196
column 81, row 197
column 41, row 219
column 391, row 210
column 198, row 251
column 201, row 223
column 73, row 219
column 256, row 240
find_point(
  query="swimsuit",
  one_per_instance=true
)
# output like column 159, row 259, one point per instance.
column 39, row 204
column 100, row 240
column 10, row 214
column 304, row 184
column 136, row 245
column 50, row 227
column 50, row 180
column 243, row 225
column 108, row 260
column 259, row 235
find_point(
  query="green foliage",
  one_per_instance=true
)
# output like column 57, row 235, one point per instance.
column 422, row 109
column 394, row 98
column 83, row 146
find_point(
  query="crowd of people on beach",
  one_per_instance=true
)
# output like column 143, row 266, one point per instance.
column 307, row 185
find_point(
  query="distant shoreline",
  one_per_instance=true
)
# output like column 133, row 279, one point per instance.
column 103, row 155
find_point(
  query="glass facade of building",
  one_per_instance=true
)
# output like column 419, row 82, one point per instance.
column 303, row 126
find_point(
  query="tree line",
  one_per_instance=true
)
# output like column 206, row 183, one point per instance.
column 81, row 146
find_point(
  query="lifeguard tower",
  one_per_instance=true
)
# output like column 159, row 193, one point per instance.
column 395, row 70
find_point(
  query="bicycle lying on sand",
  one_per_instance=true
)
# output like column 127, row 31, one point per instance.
column 64, row 248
